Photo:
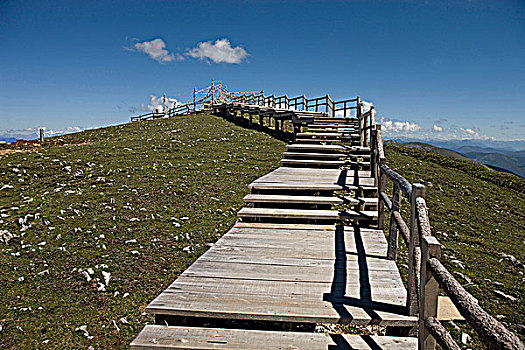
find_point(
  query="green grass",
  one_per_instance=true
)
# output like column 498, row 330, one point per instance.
column 476, row 214
column 112, row 200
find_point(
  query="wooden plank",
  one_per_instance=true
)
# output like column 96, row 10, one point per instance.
column 313, row 214
column 288, row 308
column 268, row 272
column 262, row 198
column 312, row 162
column 163, row 337
column 240, row 224
column 289, row 213
column 330, row 148
column 313, row 155
column 380, row 288
column 295, row 186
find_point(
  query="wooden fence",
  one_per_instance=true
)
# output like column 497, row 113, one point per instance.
column 217, row 93
column 426, row 274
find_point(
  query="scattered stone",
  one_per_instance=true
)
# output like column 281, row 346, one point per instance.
column 458, row 263
column 6, row 236
column 512, row 259
column 83, row 329
column 464, row 277
column 465, row 338
column 107, row 277
column 500, row 294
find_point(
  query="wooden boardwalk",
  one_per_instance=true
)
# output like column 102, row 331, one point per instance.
column 309, row 247
column 304, row 252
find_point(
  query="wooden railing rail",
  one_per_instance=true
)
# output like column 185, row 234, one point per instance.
column 217, row 94
column 426, row 274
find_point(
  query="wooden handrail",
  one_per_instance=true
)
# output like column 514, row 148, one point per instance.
column 493, row 333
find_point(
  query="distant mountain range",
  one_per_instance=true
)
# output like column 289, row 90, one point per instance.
column 8, row 139
column 506, row 156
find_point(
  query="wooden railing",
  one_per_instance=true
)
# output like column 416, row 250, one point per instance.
column 426, row 274
column 217, row 94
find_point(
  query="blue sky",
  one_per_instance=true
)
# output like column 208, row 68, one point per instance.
column 437, row 69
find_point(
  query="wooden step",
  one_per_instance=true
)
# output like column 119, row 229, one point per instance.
column 312, row 155
column 322, row 141
column 354, row 164
column 316, row 148
column 357, row 148
column 368, row 201
column 368, row 181
column 363, row 156
column 294, row 186
column 305, row 214
column 335, row 163
column 268, row 198
column 326, row 134
column 198, row 338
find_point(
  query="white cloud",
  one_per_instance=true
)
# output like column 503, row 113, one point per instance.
column 395, row 127
column 156, row 49
column 157, row 103
column 367, row 105
column 436, row 128
column 219, row 51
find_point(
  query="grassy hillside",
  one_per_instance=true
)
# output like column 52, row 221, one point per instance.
column 137, row 203
column 478, row 215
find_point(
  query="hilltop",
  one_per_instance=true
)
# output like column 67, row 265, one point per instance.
column 105, row 219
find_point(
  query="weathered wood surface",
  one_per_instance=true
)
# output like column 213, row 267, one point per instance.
column 162, row 337
column 292, row 275
column 313, row 155
column 268, row 198
column 291, row 272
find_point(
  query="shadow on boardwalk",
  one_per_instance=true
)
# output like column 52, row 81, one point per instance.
column 337, row 296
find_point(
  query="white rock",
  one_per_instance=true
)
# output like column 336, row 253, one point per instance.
column 465, row 338
column 107, row 277
column 86, row 275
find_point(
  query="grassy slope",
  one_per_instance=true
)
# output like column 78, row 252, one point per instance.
column 161, row 168
column 196, row 167
column 475, row 220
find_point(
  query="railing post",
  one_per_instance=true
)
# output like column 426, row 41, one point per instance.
column 365, row 129
column 414, row 252
column 194, row 99
column 359, row 121
column 373, row 156
column 393, row 230
column 428, row 299
column 382, row 183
